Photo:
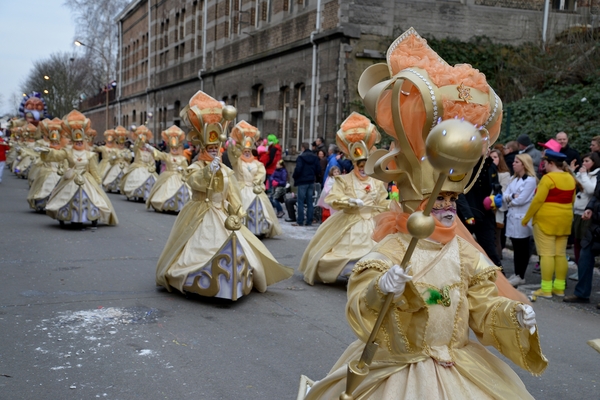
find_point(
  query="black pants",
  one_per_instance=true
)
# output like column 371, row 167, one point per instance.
column 485, row 233
column 522, row 253
column 289, row 205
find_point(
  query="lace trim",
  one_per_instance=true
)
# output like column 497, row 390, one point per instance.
column 378, row 265
column 483, row 276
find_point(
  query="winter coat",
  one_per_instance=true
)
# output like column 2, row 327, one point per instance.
column 517, row 207
column 588, row 182
column 307, row 168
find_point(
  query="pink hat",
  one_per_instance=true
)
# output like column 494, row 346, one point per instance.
column 552, row 145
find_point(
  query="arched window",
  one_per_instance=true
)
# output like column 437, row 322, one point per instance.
column 285, row 107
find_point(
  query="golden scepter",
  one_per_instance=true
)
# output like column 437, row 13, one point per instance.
column 229, row 113
column 453, row 147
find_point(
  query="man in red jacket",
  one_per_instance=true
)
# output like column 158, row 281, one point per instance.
column 274, row 155
column 3, row 148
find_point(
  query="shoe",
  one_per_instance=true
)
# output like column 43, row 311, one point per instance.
column 536, row 269
column 514, row 280
column 575, row 299
column 559, row 293
column 280, row 214
column 290, row 220
column 540, row 293
column 574, row 277
column 295, row 224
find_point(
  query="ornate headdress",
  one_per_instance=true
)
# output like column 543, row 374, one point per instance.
column 110, row 135
column 142, row 133
column 207, row 118
column 29, row 131
column 54, row 129
column 77, row 124
column 245, row 135
column 408, row 97
column 357, row 136
column 173, row 136
column 91, row 135
column 121, row 134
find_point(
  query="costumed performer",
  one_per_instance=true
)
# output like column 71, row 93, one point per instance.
column 446, row 284
column 141, row 175
column 250, row 173
column 14, row 128
column 118, row 164
column 26, row 154
column 42, row 140
column 209, row 251
column 78, row 197
column 345, row 237
column 170, row 192
column 49, row 172
column 108, row 152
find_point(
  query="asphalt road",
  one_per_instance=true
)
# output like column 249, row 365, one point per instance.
column 81, row 318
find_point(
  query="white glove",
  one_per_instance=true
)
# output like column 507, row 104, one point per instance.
column 215, row 165
column 394, row 281
column 149, row 147
column 179, row 169
column 41, row 149
column 114, row 157
column 356, row 202
column 525, row 316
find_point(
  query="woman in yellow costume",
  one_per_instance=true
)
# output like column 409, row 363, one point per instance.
column 209, row 251
column 141, row 175
column 42, row 140
column 250, row 173
column 445, row 286
column 108, row 152
column 170, row 192
column 119, row 163
column 78, row 197
column 49, row 172
column 346, row 236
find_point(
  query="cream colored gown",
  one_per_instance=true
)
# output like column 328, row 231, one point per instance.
column 118, row 167
column 36, row 162
column 107, row 155
column 199, row 244
column 78, row 196
column 48, row 176
column 345, row 236
column 170, row 192
column 261, row 218
column 26, row 157
column 141, row 175
column 415, row 337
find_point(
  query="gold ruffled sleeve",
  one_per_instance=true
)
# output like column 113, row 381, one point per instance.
column 54, row 155
column 339, row 194
column 493, row 319
column 159, row 155
column 261, row 175
column 93, row 167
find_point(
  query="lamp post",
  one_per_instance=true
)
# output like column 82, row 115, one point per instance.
column 108, row 85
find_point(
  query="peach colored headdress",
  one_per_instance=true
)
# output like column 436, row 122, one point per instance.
column 76, row 124
column 142, row 133
column 245, row 134
column 357, row 136
column 121, row 134
column 53, row 129
column 206, row 117
column 173, row 136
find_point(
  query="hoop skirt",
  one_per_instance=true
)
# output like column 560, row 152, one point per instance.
column 137, row 182
column 170, row 192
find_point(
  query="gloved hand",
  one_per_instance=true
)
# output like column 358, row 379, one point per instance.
column 149, row 147
column 179, row 169
column 41, row 149
column 215, row 165
column 114, row 157
column 488, row 203
column 394, row 281
column 356, row 202
column 498, row 200
column 525, row 316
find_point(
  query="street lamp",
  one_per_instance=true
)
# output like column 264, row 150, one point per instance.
column 46, row 91
column 108, row 85
column 46, row 77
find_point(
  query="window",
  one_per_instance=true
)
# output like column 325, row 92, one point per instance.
column 259, row 96
column 234, row 102
column 176, row 109
column 182, row 50
column 285, row 118
column 301, row 115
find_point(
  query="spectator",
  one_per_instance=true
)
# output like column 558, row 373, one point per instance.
column 346, row 165
column 525, row 146
column 571, row 153
column 305, row 174
column 503, row 179
column 3, row 148
column 517, row 198
column 320, row 143
column 511, row 149
column 587, row 177
column 590, row 248
column 327, row 209
column 273, row 157
column 484, row 224
column 278, row 182
column 332, row 160
column 552, row 212
column 323, row 161
column 595, row 144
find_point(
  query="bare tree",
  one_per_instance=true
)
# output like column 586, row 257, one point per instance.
column 13, row 104
column 62, row 80
column 96, row 28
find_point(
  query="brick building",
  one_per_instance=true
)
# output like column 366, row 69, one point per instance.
column 290, row 67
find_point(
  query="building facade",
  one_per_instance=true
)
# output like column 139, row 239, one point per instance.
column 290, row 67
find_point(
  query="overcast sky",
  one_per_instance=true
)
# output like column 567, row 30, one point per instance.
column 29, row 31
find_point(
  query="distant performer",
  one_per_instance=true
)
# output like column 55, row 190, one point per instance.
column 119, row 164
column 108, row 152
column 78, row 197
column 141, row 175
column 170, row 192
column 346, row 236
column 209, row 251
column 251, row 174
